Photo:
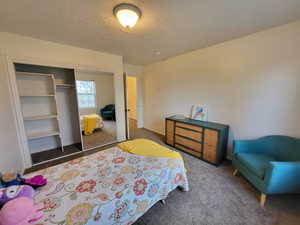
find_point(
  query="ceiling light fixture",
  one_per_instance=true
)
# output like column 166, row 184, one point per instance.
column 127, row 14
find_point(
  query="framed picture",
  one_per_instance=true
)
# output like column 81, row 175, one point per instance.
column 199, row 113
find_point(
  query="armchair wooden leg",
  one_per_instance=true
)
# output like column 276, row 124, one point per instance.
column 235, row 172
column 163, row 201
column 263, row 198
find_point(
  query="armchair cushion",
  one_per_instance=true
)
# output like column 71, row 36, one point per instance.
column 107, row 113
column 255, row 162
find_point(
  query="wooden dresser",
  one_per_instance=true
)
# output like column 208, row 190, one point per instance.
column 204, row 140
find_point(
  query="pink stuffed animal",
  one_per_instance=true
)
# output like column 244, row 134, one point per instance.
column 15, row 191
column 21, row 211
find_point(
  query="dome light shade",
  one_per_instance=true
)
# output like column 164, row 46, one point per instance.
column 127, row 14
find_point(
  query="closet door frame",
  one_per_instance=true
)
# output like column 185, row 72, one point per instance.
column 16, row 104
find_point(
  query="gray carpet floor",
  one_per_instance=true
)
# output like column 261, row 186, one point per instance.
column 217, row 198
column 105, row 135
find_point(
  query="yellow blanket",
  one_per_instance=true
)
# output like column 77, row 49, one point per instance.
column 90, row 123
column 146, row 147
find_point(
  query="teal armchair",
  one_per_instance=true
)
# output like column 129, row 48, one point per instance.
column 271, row 164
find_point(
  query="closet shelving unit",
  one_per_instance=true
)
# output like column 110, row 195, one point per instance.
column 65, row 86
column 43, row 117
column 34, row 95
column 43, row 134
column 30, row 88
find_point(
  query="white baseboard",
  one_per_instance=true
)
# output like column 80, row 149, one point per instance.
column 155, row 131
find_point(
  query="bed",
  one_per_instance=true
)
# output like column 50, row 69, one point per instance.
column 99, row 123
column 108, row 187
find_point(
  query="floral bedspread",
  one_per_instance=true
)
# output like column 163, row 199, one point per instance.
column 108, row 187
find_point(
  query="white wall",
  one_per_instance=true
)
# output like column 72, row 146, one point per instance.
column 105, row 91
column 251, row 84
column 137, row 71
column 24, row 49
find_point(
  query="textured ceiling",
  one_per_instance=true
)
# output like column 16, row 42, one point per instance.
column 171, row 27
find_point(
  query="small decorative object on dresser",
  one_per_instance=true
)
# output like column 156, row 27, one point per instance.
column 204, row 140
column 199, row 113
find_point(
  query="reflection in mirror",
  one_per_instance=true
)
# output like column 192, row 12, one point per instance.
column 96, row 102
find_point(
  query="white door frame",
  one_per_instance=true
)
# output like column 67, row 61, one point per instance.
column 14, row 96
column 17, row 111
column 126, row 105
column 139, row 101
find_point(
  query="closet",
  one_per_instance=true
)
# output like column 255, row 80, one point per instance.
column 50, row 113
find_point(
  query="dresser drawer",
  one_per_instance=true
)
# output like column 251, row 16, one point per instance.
column 184, row 125
column 210, row 153
column 188, row 133
column 198, row 154
column 188, row 143
column 170, row 132
column 211, row 137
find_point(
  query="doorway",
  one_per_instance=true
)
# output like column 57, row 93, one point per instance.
column 131, row 104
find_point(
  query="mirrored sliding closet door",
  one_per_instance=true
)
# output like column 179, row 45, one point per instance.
column 96, row 106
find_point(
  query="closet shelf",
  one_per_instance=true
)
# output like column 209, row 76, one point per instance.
column 41, row 117
column 33, row 74
column 65, row 85
column 33, row 95
column 42, row 135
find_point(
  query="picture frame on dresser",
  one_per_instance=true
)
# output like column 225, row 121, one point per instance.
column 204, row 140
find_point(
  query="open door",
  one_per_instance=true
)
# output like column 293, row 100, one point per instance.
column 126, row 105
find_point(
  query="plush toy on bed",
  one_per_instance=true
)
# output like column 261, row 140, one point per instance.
column 16, row 199
column 36, row 181
column 18, row 206
column 9, row 179
column 15, row 191
column 21, row 211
